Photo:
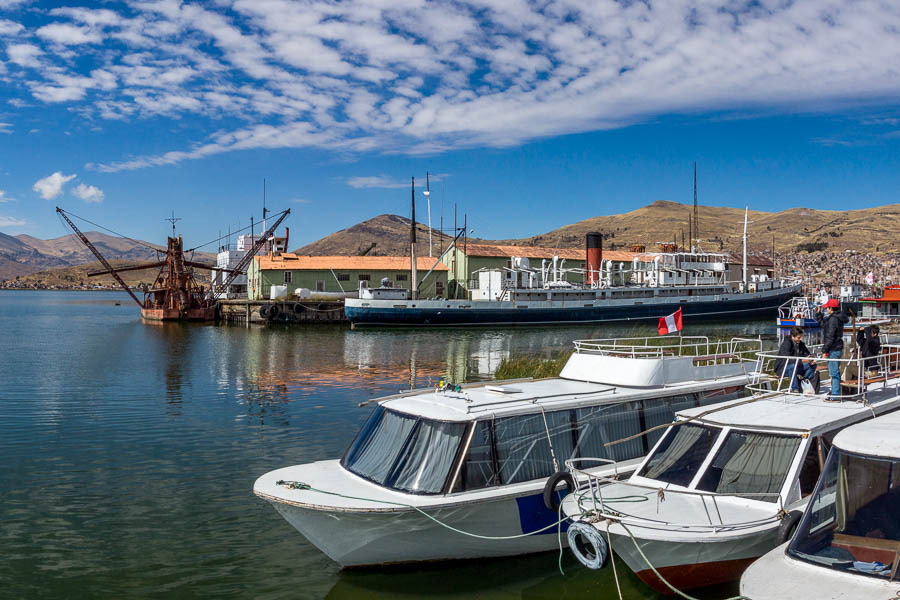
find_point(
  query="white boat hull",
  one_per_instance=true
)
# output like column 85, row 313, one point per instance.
column 691, row 561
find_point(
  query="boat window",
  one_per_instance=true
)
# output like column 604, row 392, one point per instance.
column 851, row 523
column 598, row 425
column 404, row 452
column 679, row 454
column 478, row 469
column 662, row 411
column 811, row 468
column 523, row 451
column 751, row 463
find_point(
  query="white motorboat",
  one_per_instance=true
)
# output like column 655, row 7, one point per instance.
column 460, row 472
column 847, row 545
column 722, row 487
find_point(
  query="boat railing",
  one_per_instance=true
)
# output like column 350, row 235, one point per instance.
column 701, row 348
column 595, row 483
column 859, row 375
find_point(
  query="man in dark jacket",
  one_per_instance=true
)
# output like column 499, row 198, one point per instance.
column 869, row 346
column 833, row 341
column 793, row 345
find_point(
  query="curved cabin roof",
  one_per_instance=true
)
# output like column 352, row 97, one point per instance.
column 878, row 437
column 792, row 412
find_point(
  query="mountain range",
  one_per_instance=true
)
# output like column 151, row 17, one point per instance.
column 721, row 228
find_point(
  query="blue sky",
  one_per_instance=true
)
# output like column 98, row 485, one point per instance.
column 531, row 115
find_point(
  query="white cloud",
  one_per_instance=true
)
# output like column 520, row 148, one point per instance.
column 62, row 33
column 11, row 221
column 51, row 186
column 9, row 28
column 88, row 193
column 24, row 55
column 8, row 4
column 377, row 181
column 4, row 198
column 417, row 77
column 5, row 127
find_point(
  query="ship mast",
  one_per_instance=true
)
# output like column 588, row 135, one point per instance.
column 746, row 211
column 412, row 243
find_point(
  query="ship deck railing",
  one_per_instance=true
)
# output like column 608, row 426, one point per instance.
column 858, row 378
column 702, row 349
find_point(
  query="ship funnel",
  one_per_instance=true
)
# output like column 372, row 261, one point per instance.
column 594, row 243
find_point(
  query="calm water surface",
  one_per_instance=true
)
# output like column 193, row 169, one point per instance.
column 128, row 451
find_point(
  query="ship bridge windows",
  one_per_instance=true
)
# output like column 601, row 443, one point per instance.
column 679, row 455
column 750, row 462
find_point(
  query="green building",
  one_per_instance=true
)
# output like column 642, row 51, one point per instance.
column 341, row 274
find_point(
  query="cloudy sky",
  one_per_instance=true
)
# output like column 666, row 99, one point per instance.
column 531, row 114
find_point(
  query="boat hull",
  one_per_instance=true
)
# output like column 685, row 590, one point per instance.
column 455, row 312
column 166, row 314
column 360, row 539
column 804, row 323
column 686, row 564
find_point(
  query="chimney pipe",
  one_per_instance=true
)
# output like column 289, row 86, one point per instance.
column 594, row 256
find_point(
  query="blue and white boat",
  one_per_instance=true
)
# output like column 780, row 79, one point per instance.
column 797, row 311
column 462, row 472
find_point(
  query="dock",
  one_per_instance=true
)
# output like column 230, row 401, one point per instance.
column 243, row 311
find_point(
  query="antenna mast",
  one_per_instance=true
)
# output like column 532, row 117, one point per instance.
column 428, row 199
column 412, row 242
column 696, row 213
column 173, row 220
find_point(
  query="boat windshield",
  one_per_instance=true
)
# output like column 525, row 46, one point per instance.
column 680, row 453
column 405, row 452
column 851, row 523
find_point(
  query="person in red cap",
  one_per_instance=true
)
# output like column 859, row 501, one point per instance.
column 832, row 341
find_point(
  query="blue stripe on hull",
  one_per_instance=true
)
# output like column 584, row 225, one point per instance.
column 525, row 316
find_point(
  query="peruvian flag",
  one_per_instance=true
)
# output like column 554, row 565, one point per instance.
column 670, row 324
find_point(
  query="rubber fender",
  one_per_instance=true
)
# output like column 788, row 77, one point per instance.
column 550, row 500
column 298, row 308
column 273, row 312
column 587, row 544
column 322, row 307
column 788, row 526
column 264, row 311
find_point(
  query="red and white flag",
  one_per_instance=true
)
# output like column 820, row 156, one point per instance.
column 670, row 324
column 870, row 278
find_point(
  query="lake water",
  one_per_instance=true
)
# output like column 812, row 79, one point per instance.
column 128, row 451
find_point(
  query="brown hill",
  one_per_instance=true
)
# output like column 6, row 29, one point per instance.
column 23, row 254
column 798, row 229
column 389, row 233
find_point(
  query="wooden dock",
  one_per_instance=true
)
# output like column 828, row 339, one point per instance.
column 242, row 311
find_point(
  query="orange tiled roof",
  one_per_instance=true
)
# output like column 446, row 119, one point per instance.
column 293, row 262
column 507, row 251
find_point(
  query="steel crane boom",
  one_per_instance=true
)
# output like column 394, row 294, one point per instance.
column 242, row 265
column 99, row 256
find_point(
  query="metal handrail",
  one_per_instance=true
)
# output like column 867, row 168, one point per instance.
column 596, row 481
column 661, row 348
column 885, row 360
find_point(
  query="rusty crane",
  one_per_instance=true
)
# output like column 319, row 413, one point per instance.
column 175, row 294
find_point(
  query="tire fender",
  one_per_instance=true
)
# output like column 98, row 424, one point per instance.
column 298, row 308
column 587, row 544
column 264, row 311
column 273, row 312
column 788, row 526
column 553, row 482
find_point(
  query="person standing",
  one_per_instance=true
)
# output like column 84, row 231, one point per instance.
column 832, row 323
column 869, row 347
column 793, row 346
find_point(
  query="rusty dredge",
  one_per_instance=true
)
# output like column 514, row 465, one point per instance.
column 175, row 294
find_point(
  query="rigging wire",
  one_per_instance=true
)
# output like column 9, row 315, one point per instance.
column 138, row 242
column 222, row 237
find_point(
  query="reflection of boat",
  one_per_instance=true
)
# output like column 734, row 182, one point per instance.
column 797, row 311
column 848, row 543
column 720, row 490
column 477, row 458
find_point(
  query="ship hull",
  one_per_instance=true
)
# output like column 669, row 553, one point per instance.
column 457, row 312
column 165, row 314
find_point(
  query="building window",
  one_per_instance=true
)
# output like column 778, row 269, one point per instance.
column 320, row 285
column 287, row 276
column 343, row 276
column 439, row 288
column 364, row 277
column 401, row 277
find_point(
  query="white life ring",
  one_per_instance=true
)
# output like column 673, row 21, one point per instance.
column 588, row 545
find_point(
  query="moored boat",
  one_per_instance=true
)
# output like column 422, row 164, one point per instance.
column 723, row 486
column 847, row 545
column 797, row 312
column 462, row 472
